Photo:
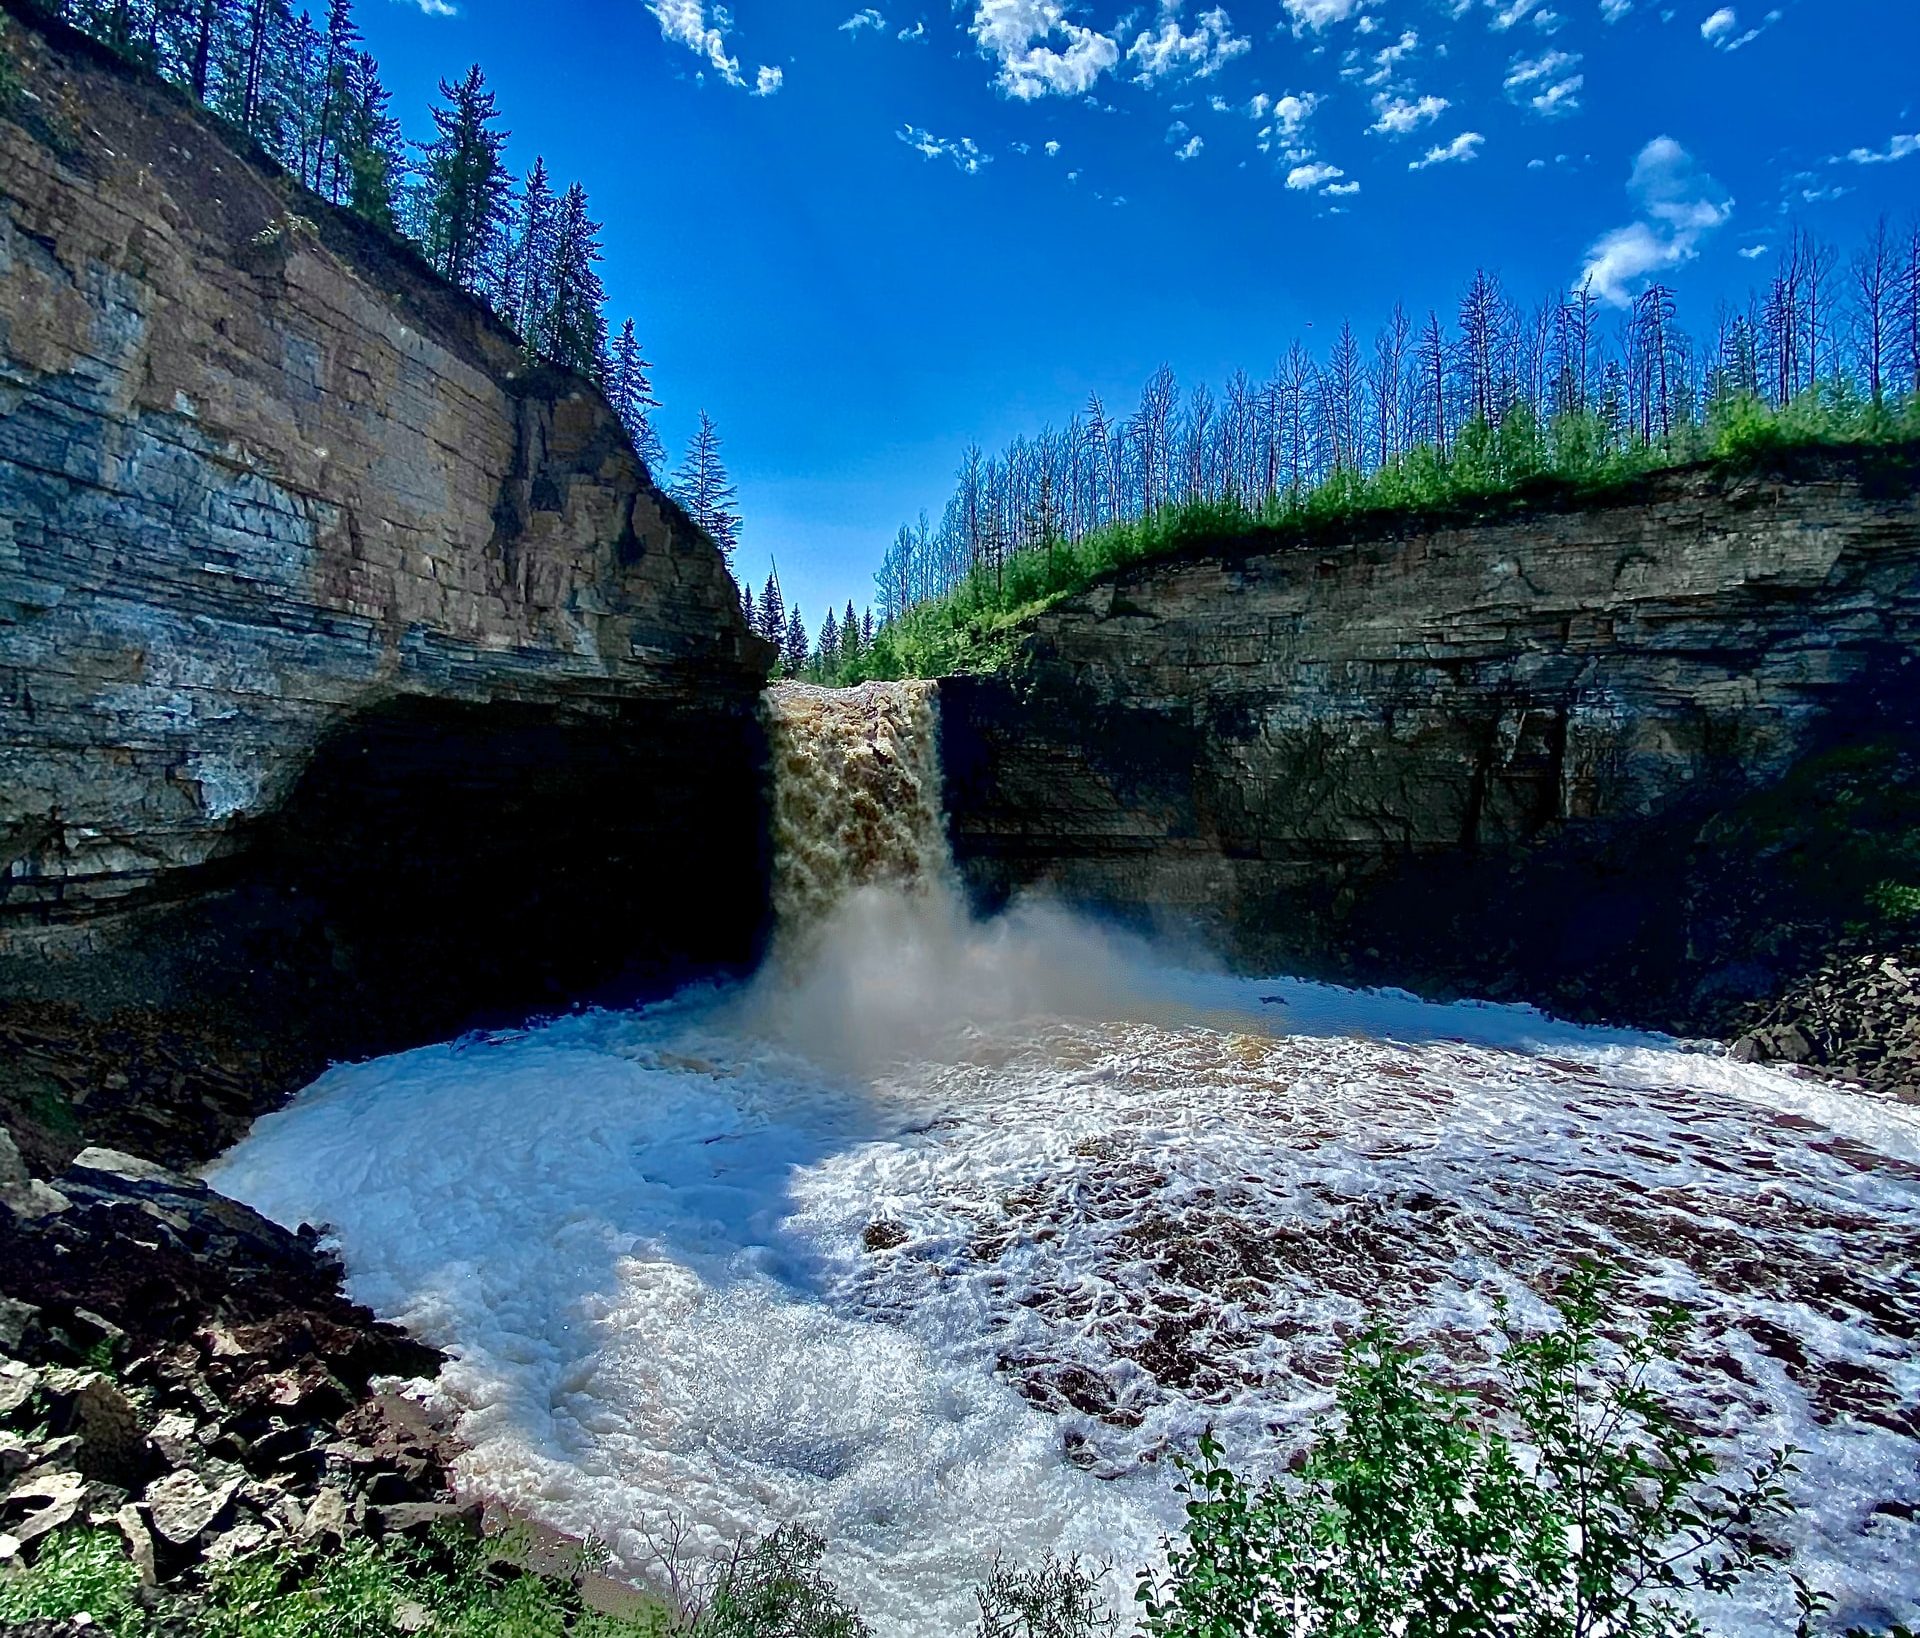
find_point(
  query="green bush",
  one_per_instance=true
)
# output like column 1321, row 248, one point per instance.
column 1414, row 1516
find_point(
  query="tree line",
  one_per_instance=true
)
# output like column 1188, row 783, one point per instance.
column 312, row 98
column 1488, row 395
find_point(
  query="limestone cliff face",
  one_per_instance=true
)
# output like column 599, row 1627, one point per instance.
column 318, row 609
column 1537, row 756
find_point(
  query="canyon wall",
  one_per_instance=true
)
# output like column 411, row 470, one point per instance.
column 1643, row 759
column 357, row 683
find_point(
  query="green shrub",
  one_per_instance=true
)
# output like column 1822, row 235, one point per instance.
column 1057, row 1598
column 1414, row 1516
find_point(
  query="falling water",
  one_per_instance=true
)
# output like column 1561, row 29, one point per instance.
column 856, row 795
column 941, row 1234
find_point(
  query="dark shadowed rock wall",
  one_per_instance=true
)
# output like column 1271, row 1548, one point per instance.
column 1643, row 760
column 357, row 683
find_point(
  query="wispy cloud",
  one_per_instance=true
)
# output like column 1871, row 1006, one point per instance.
column 685, row 23
column 1399, row 115
column 963, row 151
column 1504, row 17
column 863, row 19
column 1678, row 205
column 433, row 8
column 1169, row 49
column 1898, row 147
column 1462, row 148
column 1387, row 60
column 1319, row 15
column 1722, row 29
column 1020, row 36
column 769, row 81
column 1614, row 10
column 1546, row 84
column 1282, row 122
column 1307, row 178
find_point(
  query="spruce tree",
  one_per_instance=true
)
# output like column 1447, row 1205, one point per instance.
column 333, row 153
column 827, row 655
column 465, row 188
column 573, row 332
column 526, row 265
column 376, row 158
column 849, row 635
column 630, row 391
column 771, row 620
column 702, row 487
column 794, row 651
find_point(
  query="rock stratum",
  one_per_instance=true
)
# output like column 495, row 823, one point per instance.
column 1649, row 760
column 357, row 683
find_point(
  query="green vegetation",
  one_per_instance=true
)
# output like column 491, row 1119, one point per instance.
column 1564, row 1498
column 1415, row 1515
column 976, row 627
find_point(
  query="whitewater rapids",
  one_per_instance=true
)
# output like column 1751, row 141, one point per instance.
column 939, row 1236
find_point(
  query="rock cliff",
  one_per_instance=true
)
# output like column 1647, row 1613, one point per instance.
column 357, row 683
column 1645, row 759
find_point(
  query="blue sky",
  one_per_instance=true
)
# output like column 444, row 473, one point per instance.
column 862, row 237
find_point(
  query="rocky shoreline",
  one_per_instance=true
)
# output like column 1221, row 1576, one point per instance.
column 1856, row 1019
column 177, row 1368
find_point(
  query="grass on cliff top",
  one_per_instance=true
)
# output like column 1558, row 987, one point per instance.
column 978, row 627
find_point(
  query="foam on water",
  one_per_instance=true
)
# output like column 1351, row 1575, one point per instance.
column 938, row 1236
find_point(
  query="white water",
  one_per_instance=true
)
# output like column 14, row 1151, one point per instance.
column 1121, row 1201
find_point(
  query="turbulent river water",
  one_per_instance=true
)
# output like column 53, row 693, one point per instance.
column 939, row 1235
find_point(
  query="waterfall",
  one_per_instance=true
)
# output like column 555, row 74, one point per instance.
column 856, row 796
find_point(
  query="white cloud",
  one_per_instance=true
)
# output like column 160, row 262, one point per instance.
column 1514, row 11
column 863, row 19
column 1398, row 116
column 1614, row 10
column 1748, row 253
column 1053, row 150
column 1388, row 59
column 1169, row 49
column 1536, row 164
column 1340, row 190
column 1548, row 22
column 917, row 32
column 1722, row 29
column 1546, row 84
column 1189, row 149
column 769, row 81
column 1283, row 123
column 1019, row 35
column 1898, row 147
column 1679, row 205
column 1305, row 178
column 1464, row 147
column 685, row 23
column 1319, row 15
column 963, row 151
column 437, row 8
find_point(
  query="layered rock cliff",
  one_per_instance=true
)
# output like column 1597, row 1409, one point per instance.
column 1645, row 759
column 357, row 683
